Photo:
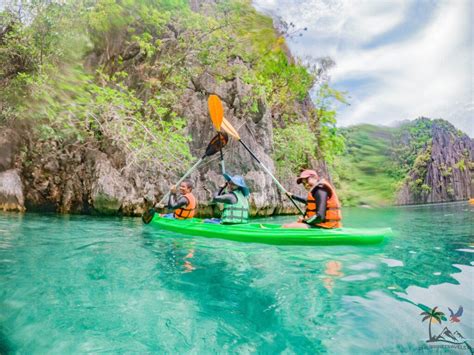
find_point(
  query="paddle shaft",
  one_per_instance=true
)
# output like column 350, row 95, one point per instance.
column 271, row 175
column 182, row 179
column 222, row 164
column 222, row 160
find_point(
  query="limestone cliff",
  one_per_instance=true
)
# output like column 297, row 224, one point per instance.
column 442, row 172
column 94, row 175
column 87, row 179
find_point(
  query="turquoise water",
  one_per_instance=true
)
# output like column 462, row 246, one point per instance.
column 75, row 284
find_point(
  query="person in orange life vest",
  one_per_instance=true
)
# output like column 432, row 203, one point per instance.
column 323, row 209
column 183, row 205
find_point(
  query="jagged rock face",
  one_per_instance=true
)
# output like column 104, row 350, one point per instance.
column 109, row 188
column 9, row 146
column 76, row 179
column 94, row 177
column 255, row 131
column 79, row 180
column 446, row 173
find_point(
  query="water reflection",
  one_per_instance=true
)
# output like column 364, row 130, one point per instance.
column 221, row 288
column 333, row 270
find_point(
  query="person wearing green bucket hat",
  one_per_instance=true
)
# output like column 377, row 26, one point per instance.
column 238, row 182
column 236, row 204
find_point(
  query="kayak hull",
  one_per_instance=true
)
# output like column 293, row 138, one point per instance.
column 274, row 234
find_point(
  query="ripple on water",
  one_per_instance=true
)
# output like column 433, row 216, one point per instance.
column 392, row 262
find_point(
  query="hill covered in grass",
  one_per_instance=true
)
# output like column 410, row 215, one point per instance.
column 363, row 173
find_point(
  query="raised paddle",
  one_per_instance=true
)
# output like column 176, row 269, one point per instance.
column 216, row 111
column 220, row 140
column 227, row 127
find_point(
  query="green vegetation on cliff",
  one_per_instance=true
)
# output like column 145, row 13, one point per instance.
column 298, row 144
column 112, row 73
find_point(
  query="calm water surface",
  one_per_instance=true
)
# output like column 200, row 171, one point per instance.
column 75, row 284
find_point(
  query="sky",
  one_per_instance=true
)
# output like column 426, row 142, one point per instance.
column 395, row 59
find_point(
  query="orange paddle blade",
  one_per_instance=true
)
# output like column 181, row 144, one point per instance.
column 216, row 111
column 226, row 126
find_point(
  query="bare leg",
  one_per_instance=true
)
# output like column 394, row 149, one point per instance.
column 298, row 225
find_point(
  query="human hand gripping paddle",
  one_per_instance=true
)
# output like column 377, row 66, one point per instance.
column 221, row 123
column 216, row 144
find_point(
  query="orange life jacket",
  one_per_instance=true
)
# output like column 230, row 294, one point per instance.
column 188, row 210
column 333, row 216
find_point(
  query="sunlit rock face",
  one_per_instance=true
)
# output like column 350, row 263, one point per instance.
column 11, row 192
column 443, row 172
column 11, row 189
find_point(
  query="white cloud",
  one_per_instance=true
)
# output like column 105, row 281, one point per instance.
column 352, row 22
column 427, row 73
column 430, row 74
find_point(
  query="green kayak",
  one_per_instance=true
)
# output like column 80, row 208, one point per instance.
column 274, row 233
